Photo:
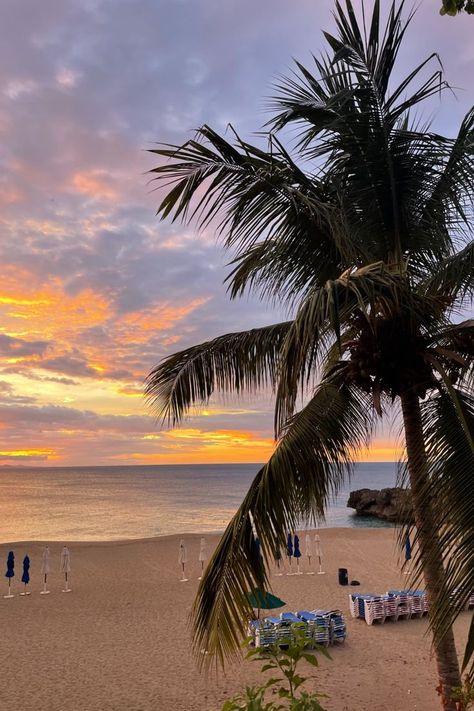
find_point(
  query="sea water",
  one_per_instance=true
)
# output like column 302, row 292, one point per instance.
column 110, row 503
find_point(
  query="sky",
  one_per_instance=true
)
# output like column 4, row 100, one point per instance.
column 94, row 290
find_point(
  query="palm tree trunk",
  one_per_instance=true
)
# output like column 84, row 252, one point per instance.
column 433, row 569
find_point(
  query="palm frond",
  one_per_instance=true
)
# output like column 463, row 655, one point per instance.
column 384, row 169
column 451, row 199
column 323, row 314
column 448, row 420
column 236, row 362
column 453, row 278
column 314, row 454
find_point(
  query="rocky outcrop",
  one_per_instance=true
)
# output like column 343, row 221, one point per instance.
column 392, row 505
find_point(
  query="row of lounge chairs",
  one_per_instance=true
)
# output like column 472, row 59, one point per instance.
column 394, row 605
column 320, row 627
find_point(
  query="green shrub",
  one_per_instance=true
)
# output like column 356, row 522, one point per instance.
column 284, row 687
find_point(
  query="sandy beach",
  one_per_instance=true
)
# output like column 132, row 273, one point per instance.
column 120, row 640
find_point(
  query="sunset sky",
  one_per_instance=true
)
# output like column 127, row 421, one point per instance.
column 94, row 290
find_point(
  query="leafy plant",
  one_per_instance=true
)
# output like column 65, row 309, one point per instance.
column 464, row 695
column 282, row 658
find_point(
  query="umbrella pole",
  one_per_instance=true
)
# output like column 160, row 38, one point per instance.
column 183, row 578
column 67, row 588
column 320, row 571
column 9, row 590
column 202, row 570
column 310, row 572
column 44, row 590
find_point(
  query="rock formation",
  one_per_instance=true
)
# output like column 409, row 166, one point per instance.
column 392, row 505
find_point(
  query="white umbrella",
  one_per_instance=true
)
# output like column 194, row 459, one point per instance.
column 202, row 555
column 45, row 569
column 65, row 566
column 182, row 558
column 309, row 553
column 319, row 553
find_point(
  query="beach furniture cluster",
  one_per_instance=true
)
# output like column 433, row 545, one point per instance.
column 321, row 627
column 394, row 605
column 64, row 567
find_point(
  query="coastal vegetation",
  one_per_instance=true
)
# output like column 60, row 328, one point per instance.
column 283, row 660
column 358, row 223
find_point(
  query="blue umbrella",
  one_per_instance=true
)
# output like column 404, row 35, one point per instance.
column 10, row 571
column 25, row 578
column 297, row 553
column 407, row 548
column 289, row 550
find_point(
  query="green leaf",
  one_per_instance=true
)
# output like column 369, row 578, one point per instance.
column 311, row 659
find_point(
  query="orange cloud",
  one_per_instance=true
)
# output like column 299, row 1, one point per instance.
column 136, row 326
column 187, row 445
column 24, row 453
column 382, row 450
column 95, row 183
column 9, row 195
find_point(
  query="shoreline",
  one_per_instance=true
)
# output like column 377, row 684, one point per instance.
column 166, row 536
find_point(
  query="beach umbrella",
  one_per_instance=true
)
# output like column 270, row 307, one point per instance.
column 407, row 551
column 277, row 556
column 10, row 572
column 297, row 554
column 25, row 578
column 308, row 553
column 319, row 554
column 289, row 551
column 65, row 566
column 182, row 559
column 262, row 600
column 202, row 555
column 45, row 569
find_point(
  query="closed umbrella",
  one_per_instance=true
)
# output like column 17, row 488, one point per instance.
column 277, row 557
column 308, row 553
column 258, row 547
column 182, row 559
column 202, row 555
column 45, row 569
column 65, row 567
column 10, row 572
column 297, row 554
column 25, row 578
column 289, row 551
column 407, row 552
column 319, row 554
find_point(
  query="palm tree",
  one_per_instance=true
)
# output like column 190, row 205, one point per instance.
column 363, row 235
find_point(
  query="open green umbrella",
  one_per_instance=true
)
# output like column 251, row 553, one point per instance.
column 261, row 600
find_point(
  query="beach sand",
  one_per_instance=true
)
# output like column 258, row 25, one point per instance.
column 120, row 640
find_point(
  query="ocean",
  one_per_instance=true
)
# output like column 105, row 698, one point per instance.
column 111, row 503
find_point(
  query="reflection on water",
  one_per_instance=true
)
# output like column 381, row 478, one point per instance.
column 107, row 503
